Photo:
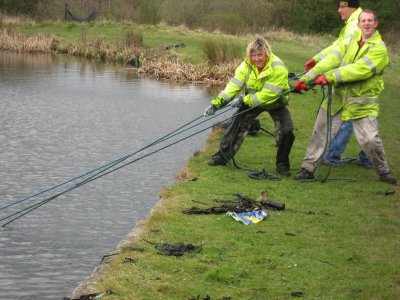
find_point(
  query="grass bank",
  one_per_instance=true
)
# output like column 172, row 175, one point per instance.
column 337, row 240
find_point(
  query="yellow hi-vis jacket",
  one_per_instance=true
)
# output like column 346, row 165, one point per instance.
column 262, row 89
column 349, row 28
column 357, row 75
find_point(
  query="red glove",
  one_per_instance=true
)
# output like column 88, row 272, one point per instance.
column 300, row 86
column 309, row 65
column 321, row 80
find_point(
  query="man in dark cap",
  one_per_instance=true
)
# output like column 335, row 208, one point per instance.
column 355, row 69
column 349, row 12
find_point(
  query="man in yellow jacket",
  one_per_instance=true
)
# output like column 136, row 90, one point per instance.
column 355, row 68
column 263, row 78
column 349, row 12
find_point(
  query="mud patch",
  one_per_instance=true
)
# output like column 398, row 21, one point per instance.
column 177, row 249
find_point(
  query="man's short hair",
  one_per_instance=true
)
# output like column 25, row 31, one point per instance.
column 368, row 11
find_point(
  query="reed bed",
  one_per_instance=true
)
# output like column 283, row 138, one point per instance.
column 13, row 40
column 101, row 51
column 176, row 70
column 98, row 49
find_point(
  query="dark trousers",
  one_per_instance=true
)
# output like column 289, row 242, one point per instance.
column 238, row 129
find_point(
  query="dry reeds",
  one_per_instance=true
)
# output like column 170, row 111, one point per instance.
column 176, row 70
column 7, row 19
column 14, row 40
column 98, row 49
column 184, row 174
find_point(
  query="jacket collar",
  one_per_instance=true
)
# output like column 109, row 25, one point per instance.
column 354, row 16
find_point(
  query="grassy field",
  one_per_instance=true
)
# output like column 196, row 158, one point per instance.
column 339, row 240
column 336, row 240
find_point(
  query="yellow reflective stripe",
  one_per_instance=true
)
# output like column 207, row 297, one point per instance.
column 247, row 77
column 273, row 88
column 351, row 36
column 338, row 75
column 278, row 63
column 361, row 100
column 255, row 100
column 311, row 74
column 225, row 96
column 337, row 54
column 237, row 82
column 370, row 64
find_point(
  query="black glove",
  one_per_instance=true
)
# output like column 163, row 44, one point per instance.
column 237, row 102
column 210, row 111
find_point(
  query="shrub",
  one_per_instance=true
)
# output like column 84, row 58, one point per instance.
column 133, row 39
column 222, row 50
column 226, row 22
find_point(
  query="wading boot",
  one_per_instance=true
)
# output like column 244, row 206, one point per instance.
column 388, row 177
column 283, row 170
column 217, row 160
column 303, row 174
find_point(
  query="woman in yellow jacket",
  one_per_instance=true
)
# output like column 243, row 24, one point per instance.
column 263, row 78
column 355, row 68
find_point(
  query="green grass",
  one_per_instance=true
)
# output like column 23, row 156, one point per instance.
column 346, row 248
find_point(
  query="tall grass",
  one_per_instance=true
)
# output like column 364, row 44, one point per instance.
column 14, row 40
column 97, row 48
column 133, row 38
column 222, row 50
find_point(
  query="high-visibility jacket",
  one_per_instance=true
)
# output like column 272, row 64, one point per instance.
column 349, row 28
column 263, row 89
column 357, row 75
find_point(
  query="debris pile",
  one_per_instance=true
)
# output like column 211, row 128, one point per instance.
column 240, row 204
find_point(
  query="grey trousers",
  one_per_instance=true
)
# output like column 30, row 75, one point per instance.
column 366, row 132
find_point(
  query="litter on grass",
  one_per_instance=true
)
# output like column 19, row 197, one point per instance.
column 240, row 204
column 247, row 218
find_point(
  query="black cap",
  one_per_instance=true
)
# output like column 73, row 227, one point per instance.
column 350, row 3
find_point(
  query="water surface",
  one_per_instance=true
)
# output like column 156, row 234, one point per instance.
column 60, row 117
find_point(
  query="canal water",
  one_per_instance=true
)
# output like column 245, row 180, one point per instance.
column 60, row 117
